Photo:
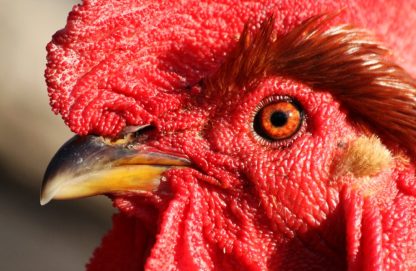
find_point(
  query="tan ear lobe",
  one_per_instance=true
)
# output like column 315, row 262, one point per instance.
column 364, row 156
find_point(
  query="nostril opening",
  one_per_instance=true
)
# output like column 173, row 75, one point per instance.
column 132, row 129
column 145, row 129
column 131, row 135
column 144, row 132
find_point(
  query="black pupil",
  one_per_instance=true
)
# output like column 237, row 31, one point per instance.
column 279, row 118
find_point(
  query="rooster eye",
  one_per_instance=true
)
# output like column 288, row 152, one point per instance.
column 278, row 119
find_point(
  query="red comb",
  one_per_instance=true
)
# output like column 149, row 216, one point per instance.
column 119, row 63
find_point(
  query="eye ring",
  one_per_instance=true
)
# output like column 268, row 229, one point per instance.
column 278, row 121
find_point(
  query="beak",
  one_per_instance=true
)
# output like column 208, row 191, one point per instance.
column 91, row 165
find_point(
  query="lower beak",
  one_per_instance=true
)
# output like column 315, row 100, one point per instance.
column 91, row 165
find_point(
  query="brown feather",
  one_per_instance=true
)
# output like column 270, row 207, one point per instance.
column 346, row 61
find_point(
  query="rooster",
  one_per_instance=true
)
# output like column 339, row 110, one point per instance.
column 241, row 135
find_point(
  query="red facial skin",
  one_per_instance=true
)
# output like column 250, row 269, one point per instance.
column 245, row 204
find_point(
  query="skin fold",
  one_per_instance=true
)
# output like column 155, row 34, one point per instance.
column 338, row 194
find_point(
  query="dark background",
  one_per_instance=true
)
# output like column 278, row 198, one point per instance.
column 62, row 234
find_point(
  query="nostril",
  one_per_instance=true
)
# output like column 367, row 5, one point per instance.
column 131, row 135
column 145, row 131
column 133, row 129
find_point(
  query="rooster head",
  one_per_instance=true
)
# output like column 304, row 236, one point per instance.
column 239, row 135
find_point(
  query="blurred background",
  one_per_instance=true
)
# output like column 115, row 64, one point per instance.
column 62, row 234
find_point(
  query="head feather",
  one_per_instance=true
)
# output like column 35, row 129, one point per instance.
column 346, row 61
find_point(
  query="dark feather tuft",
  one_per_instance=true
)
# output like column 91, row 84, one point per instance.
column 346, row 61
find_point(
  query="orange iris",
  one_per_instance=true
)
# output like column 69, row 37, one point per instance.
column 280, row 120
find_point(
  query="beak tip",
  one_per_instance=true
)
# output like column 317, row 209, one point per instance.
column 46, row 195
column 44, row 199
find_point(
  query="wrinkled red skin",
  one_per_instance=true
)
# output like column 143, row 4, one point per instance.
column 244, row 205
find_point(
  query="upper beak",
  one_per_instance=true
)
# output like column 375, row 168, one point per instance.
column 91, row 165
